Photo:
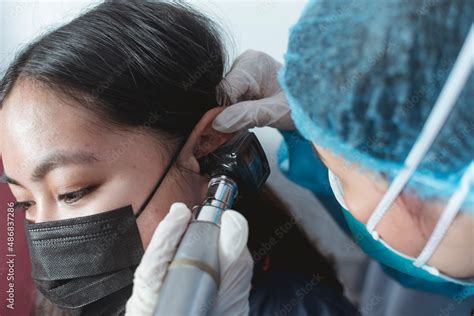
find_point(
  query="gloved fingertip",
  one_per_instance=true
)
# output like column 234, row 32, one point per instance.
column 226, row 127
column 218, row 125
column 179, row 211
column 225, row 120
column 234, row 235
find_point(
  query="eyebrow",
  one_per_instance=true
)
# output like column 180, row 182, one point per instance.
column 6, row 179
column 53, row 161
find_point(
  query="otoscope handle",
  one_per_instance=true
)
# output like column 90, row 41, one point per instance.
column 191, row 284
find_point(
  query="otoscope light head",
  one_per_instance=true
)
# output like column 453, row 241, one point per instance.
column 242, row 159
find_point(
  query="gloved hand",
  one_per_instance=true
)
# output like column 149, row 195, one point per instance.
column 256, row 95
column 235, row 260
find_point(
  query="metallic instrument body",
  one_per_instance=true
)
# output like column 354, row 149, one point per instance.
column 192, row 282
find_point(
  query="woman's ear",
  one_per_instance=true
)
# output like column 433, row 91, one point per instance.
column 203, row 140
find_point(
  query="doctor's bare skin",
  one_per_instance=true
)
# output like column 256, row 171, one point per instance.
column 416, row 218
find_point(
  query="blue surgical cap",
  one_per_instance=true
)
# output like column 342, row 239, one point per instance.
column 362, row 76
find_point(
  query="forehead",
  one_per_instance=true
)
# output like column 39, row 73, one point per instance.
column 43, row 115
column 35, row 121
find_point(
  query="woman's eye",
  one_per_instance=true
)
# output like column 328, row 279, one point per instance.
column 23, row 206
column 72, row 197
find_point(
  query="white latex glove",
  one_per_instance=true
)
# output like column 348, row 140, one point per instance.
column 236, row 264
column 256, row 95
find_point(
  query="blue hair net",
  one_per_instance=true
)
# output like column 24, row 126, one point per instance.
column 362, row 76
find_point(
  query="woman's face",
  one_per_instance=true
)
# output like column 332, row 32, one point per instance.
column 64, row 164
column 409, row 222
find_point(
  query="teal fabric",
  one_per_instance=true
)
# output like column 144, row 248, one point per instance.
column 300, row 164
column 402, row 269
column 311, row 173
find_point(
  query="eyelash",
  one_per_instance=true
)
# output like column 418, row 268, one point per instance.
column 24, row 206
column 81, row 193
column 75, row 196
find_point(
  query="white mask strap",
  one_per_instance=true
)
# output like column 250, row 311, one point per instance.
column 438, row 116
column 447, row 217
column 337, row 189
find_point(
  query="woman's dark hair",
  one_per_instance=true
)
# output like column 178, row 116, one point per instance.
column 132, row 63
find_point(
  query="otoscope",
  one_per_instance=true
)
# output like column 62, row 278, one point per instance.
column 191, row 284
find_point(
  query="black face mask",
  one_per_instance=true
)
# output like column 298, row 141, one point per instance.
column 86, row 264
column 78, row 261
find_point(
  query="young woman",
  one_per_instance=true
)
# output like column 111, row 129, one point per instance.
column 104, row 110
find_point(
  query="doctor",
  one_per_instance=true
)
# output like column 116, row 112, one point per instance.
column 381, row 94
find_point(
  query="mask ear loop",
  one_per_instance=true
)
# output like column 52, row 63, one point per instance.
column 438, row 116
column 447, row 217
column 337, row 189
column 160, row 181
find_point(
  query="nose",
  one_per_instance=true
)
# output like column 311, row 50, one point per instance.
column 42, row 212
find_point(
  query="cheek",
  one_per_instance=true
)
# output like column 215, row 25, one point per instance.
column 360, row 204
column 175, row 188
column 455, row 254
column 125, row 189
column 399, row 228
column 147, row 223
column 360, row 194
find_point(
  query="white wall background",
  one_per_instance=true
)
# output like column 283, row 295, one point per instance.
column 260, row 25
